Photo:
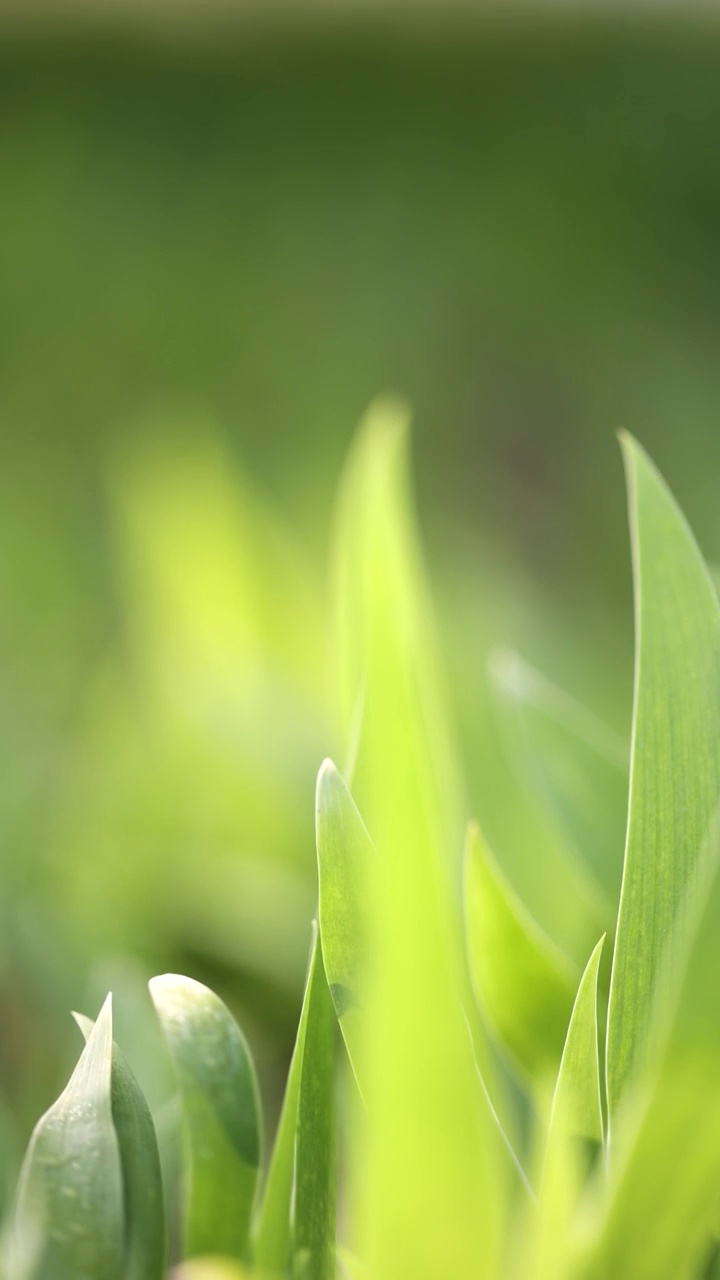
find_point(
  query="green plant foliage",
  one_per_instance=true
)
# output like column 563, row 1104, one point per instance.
column 140, row 1161
column 345, row 863
column 428, row 1158
column 69, row 1215
column 222, row 1128
column 625, row 1159
column 296, row 1226
column 524, row 983
column 675, row 769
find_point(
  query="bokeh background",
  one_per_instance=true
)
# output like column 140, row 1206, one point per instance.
column 221, row 236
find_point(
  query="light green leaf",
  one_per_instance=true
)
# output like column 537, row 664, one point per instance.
column 575, row 1134
column 70, row 1197
column 345, row 860
column 659, row 1214
column 428, row 1199
column 315, row 1141
column 577, row 1107
column 577, row 767
column 297, row 1219
column 675, row 769
column 221, row 1115
column 140, row 1162
column 525, row 986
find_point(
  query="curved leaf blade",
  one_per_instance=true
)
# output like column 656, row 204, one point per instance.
column 222, row 1127
column 296, row 1226
column 675, row 766
column 145, row 1243
column 345, row 856
column 70, row 1195
column 315, row 1141
column 577, row 1106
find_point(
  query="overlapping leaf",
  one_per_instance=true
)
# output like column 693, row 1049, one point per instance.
column 222, row 1127
column 144, row 1207
column 296, row 1228
column 70, row 1220
column 675, row 770
column 429, row 1199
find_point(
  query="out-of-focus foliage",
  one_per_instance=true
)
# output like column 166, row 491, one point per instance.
column 212, row 259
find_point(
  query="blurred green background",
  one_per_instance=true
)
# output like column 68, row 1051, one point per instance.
column 214, row 253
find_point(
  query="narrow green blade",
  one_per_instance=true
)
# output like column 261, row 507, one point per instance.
column 221, row 1115
column 345, row 857
column 296, row 1227
column 525, row 986
column 575, row 765
column 145, row 1244
column 577, row 1107
column 575, row 1133
column 315, row 1141
column 70, row 1197
column 659, row 1214
column 427, row 1199
column 675, row 768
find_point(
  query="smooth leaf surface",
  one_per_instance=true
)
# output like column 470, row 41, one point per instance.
column 575, row 1134
column 577, row 1107
column 346, row 858
column 70, row 1198
column 427, row 1198
column 675, row 767
column 296, row 1226
column 222, row 1125
column 315, row 1194
column 524, row 984
column 144, row 1207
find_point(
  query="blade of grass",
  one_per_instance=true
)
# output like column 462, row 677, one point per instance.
column 145, row 1244
column 298, row 1209
column 222, row 1127
column 575, row 1133
column 427, row 1196
column 345, row 857
column 315, row 1189
column 70, row 1196
column 675, row 767
column 525, row 986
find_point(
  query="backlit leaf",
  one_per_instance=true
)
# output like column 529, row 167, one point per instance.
column 70, row 1199
column 220, row 1113
column 675, row 769
column 140, row 1161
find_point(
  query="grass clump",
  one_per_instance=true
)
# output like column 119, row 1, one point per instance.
column 511, row 1108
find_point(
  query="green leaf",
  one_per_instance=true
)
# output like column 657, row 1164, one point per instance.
column 297, row 1219
column 525, row 986
column 576, row 766
column 428, row 1198
column 660, row 1212
column 575, row 1134
column 145, row 1244
column 345, row 860
column 221, row 1115
column 70, row 1198
column 675, row 768
column 577, row 1107
column 315, row 1142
